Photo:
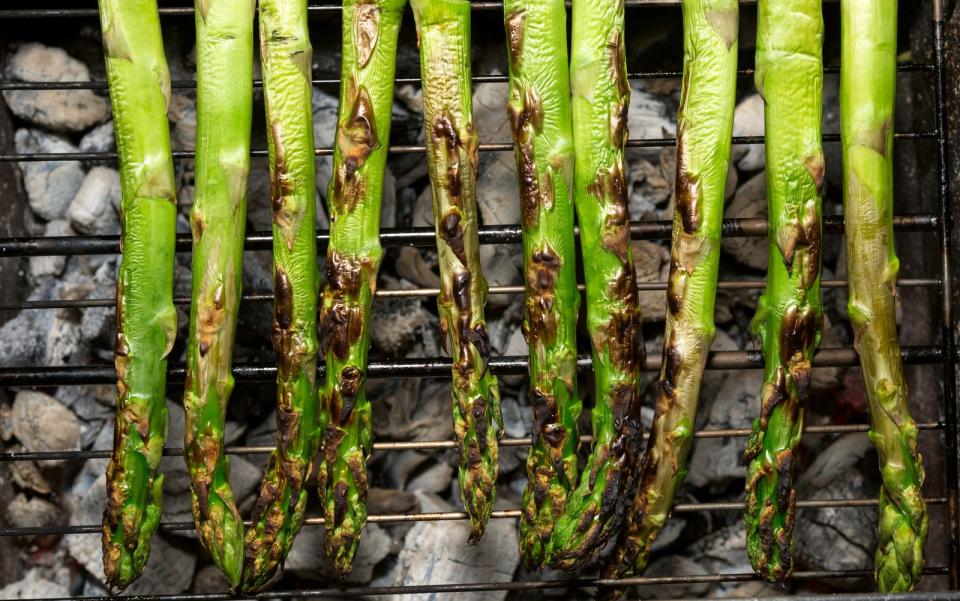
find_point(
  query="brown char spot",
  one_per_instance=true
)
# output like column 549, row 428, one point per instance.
column 283, row 300
column 445, row 132
column 544, row 407
column 672, row 363
column 725, row 23
column 339, row 501
column 478, row 411
column 774, row 393
column 357, row 137
column 542, row 271
column 341, row 326
column 798, row 332
column 688, row 188
column 343, row 273
column 281, row 185
column 461, row 290
column 451, row 231
column 815, row 167
column 515, row 22
column 350, row 378
column 529, row 116
column 366, row 28
column 618, row 63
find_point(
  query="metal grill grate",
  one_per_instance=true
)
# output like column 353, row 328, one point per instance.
column 934, row 227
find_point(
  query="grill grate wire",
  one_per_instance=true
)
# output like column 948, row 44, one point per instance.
column 943, row 353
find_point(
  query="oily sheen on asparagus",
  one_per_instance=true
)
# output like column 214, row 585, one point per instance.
column 146, row 320
column 443, row 28
column 601, row 96
column 218, row 219
column 353, row 258
column 704, row 128
column 285, row 56
column 539, row 110
column 789, row 75
column 867, row 97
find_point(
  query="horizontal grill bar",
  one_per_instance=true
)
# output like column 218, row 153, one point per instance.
column 315, row 9
column 430, row 445
column 414, row 148
column 446, row 516
column 262, row 297
column 335, row 81
column 68, row 375
column 425, row 237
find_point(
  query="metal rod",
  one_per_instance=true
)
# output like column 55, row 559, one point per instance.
column 262, row 297
column 947, row 341
column 101, row 85
column 430, row 445
column 69, row 375
column 425, row 237
column 409, row 148
column 447, row 516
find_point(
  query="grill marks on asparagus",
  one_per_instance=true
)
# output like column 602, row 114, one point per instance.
column 353, row 258
column 867, row 100
column 539, row 111
column 601, row 95
column 443, row 29
column 146, row 320
column 790, row 76
column 224, row 64
column 703, row 154
column 285, row 59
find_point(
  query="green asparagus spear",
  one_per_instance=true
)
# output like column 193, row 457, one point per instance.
column 285, row 56
column 601, row 96
column 146, row 320
column 224, row 99
column 443, row 28
column 370, row 31
column 539, row 109
column 704, row 127
column 867, row 97
column 790, row 77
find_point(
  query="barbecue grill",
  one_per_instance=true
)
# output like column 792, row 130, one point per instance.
column 922, row 233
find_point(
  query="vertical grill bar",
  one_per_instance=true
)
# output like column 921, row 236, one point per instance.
column 946, row 226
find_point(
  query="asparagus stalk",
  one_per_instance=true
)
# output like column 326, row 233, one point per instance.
column 370, row 31
column 539, row 109
column 867, row 97
column 285, row 55
column 704, row 127
column 224, row 99
column 443, row 28
column 601, row 96
column 790, row 77
column 146, row 320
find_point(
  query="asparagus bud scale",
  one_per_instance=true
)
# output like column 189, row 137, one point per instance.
column 443, row 29
column 146, row 320
column 867, row 97
column 224, row 105
column 789, row 75
column 370, row 31
column 285, row 56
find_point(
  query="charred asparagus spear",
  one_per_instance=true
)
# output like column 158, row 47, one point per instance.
column 601, row 96
column 790, row 77
column 867, row 97
column 443, row 28
column 704, row 127
column 353, row 258
column 224, row 104
column 146, row 320
column 539, row 109
column 285, row 56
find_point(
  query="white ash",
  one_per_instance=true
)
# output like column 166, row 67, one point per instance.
column 748, row 121
column 33, row 586
column 58, row 110
column 307, row 559
column 99, row 139
column 51, row 265
column 750, row 201
column 41, row 423
column 50, row 185
column 94, row 209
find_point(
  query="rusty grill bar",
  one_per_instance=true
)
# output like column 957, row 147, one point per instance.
column 942, row 353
